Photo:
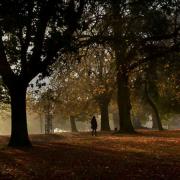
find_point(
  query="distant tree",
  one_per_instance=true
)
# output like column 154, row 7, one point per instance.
column 98, row 70
column 169, row 85
column 71, row 95
column 156, row 87
column 4, row 97
column 155, row 115
column 47, row 99
column 35, row 107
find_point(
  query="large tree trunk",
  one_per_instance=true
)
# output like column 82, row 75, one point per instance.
column 124, row 106
column 156, row 118
column 19, row 133
column 104, row 116
column 73, row 124
column 123, row 95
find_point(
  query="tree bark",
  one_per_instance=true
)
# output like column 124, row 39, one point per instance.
column 73, row 124
column 104, row 116
column 19, row 133
column 124, row 105
column 156, row 120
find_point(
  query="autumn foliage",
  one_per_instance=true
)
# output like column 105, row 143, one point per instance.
column 145, row 155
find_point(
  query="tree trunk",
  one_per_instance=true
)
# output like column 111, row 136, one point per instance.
column 124, row 105
column 104, row 116
column 123, row 94
column 73, row 124
column 19, row 133
column 48, row 123
column 41, row 123
column 156, row 121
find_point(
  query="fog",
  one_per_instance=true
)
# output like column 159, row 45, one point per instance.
column 36, row 123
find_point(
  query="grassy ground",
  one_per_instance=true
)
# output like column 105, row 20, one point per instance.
column 147, row 155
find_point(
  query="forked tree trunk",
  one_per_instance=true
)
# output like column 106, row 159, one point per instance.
column 124, row 105
column 156, row 118
column 104, row 116
column 19, row 133
column 73, row 124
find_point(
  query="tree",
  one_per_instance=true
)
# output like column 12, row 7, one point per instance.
column 155, row 117
column 71, row 93
column 134, row 28
column 98, row 69
column 32, row 34
column 47, row 101
column 4, row 97
column 168, row 85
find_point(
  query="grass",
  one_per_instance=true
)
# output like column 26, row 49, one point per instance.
column 146, row 155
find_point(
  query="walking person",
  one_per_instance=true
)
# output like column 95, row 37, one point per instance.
column 94, row 126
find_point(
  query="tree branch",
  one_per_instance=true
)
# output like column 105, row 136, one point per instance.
column 5, row 69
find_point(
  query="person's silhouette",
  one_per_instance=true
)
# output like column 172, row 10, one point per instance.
column 93, row 125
